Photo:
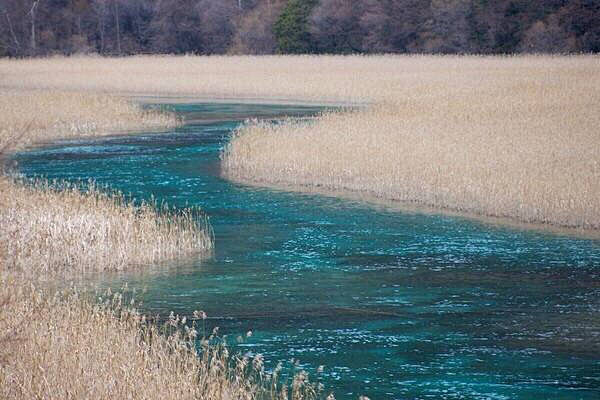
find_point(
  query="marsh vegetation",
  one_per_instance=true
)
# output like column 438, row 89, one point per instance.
column 529, row 153
column 40, row 116
column 69, row 345
column 509, row 137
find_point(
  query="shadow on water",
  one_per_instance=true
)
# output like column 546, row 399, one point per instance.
column 393, row 304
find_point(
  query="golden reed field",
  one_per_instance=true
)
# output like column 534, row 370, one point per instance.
column 513, row 137
column 49, row 231
column 37, row 116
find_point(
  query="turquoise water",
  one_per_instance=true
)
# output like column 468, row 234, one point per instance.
column 394, row 305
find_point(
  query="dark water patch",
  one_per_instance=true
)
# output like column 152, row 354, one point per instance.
column 393, row 304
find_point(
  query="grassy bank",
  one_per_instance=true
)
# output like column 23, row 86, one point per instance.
column 529, row 156
column 49, row 231
column 38, row 116
column 510, row 137
column 68, row 346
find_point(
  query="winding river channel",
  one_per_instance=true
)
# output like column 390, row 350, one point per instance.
column 393, row 305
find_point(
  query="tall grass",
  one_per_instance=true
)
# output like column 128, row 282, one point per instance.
column 509, row 136
column 47, row 231
column 531, row 156
column 68, row 346
column 37, row 116
column 50, row 230
column 354, row 79
column 512, row 137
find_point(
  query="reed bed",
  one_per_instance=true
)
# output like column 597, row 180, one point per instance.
column 50, row 230
column 513, row 137
column 533, row 156
column 344, row 79
column 68, row 346
column 37, row 116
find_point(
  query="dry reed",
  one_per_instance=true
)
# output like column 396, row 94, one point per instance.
column 354, row 79
column 48, row 230
column 38, row 116
column 67, row 346
column 509, row 136
column 512, row 137
column 537, row 162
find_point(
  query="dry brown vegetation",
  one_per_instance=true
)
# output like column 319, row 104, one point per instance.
column 48, row 231
column 34, row 116
column 346, row 79
column 532, row 157
column 68, row 346
column 512, row 137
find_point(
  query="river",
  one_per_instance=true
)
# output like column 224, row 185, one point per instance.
column 392, row 304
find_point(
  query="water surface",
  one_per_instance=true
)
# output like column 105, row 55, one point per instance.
column 394, row 305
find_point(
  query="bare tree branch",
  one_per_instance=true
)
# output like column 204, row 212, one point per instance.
column 31, row 12
column 12, row 31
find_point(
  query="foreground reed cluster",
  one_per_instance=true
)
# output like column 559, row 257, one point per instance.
column 68, row 346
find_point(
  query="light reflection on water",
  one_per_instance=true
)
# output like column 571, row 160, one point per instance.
column 395, row 305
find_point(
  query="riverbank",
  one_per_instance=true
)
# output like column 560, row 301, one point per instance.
column 59, row 229
column 528, row 163
column 502, row 137
column 40, row 116
column 72, row 346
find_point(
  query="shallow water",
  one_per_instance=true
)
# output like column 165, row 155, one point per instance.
column 394, row 305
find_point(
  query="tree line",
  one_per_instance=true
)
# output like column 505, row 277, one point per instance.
column 120, row 27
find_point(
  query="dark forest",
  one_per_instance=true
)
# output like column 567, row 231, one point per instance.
column 123, row 27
